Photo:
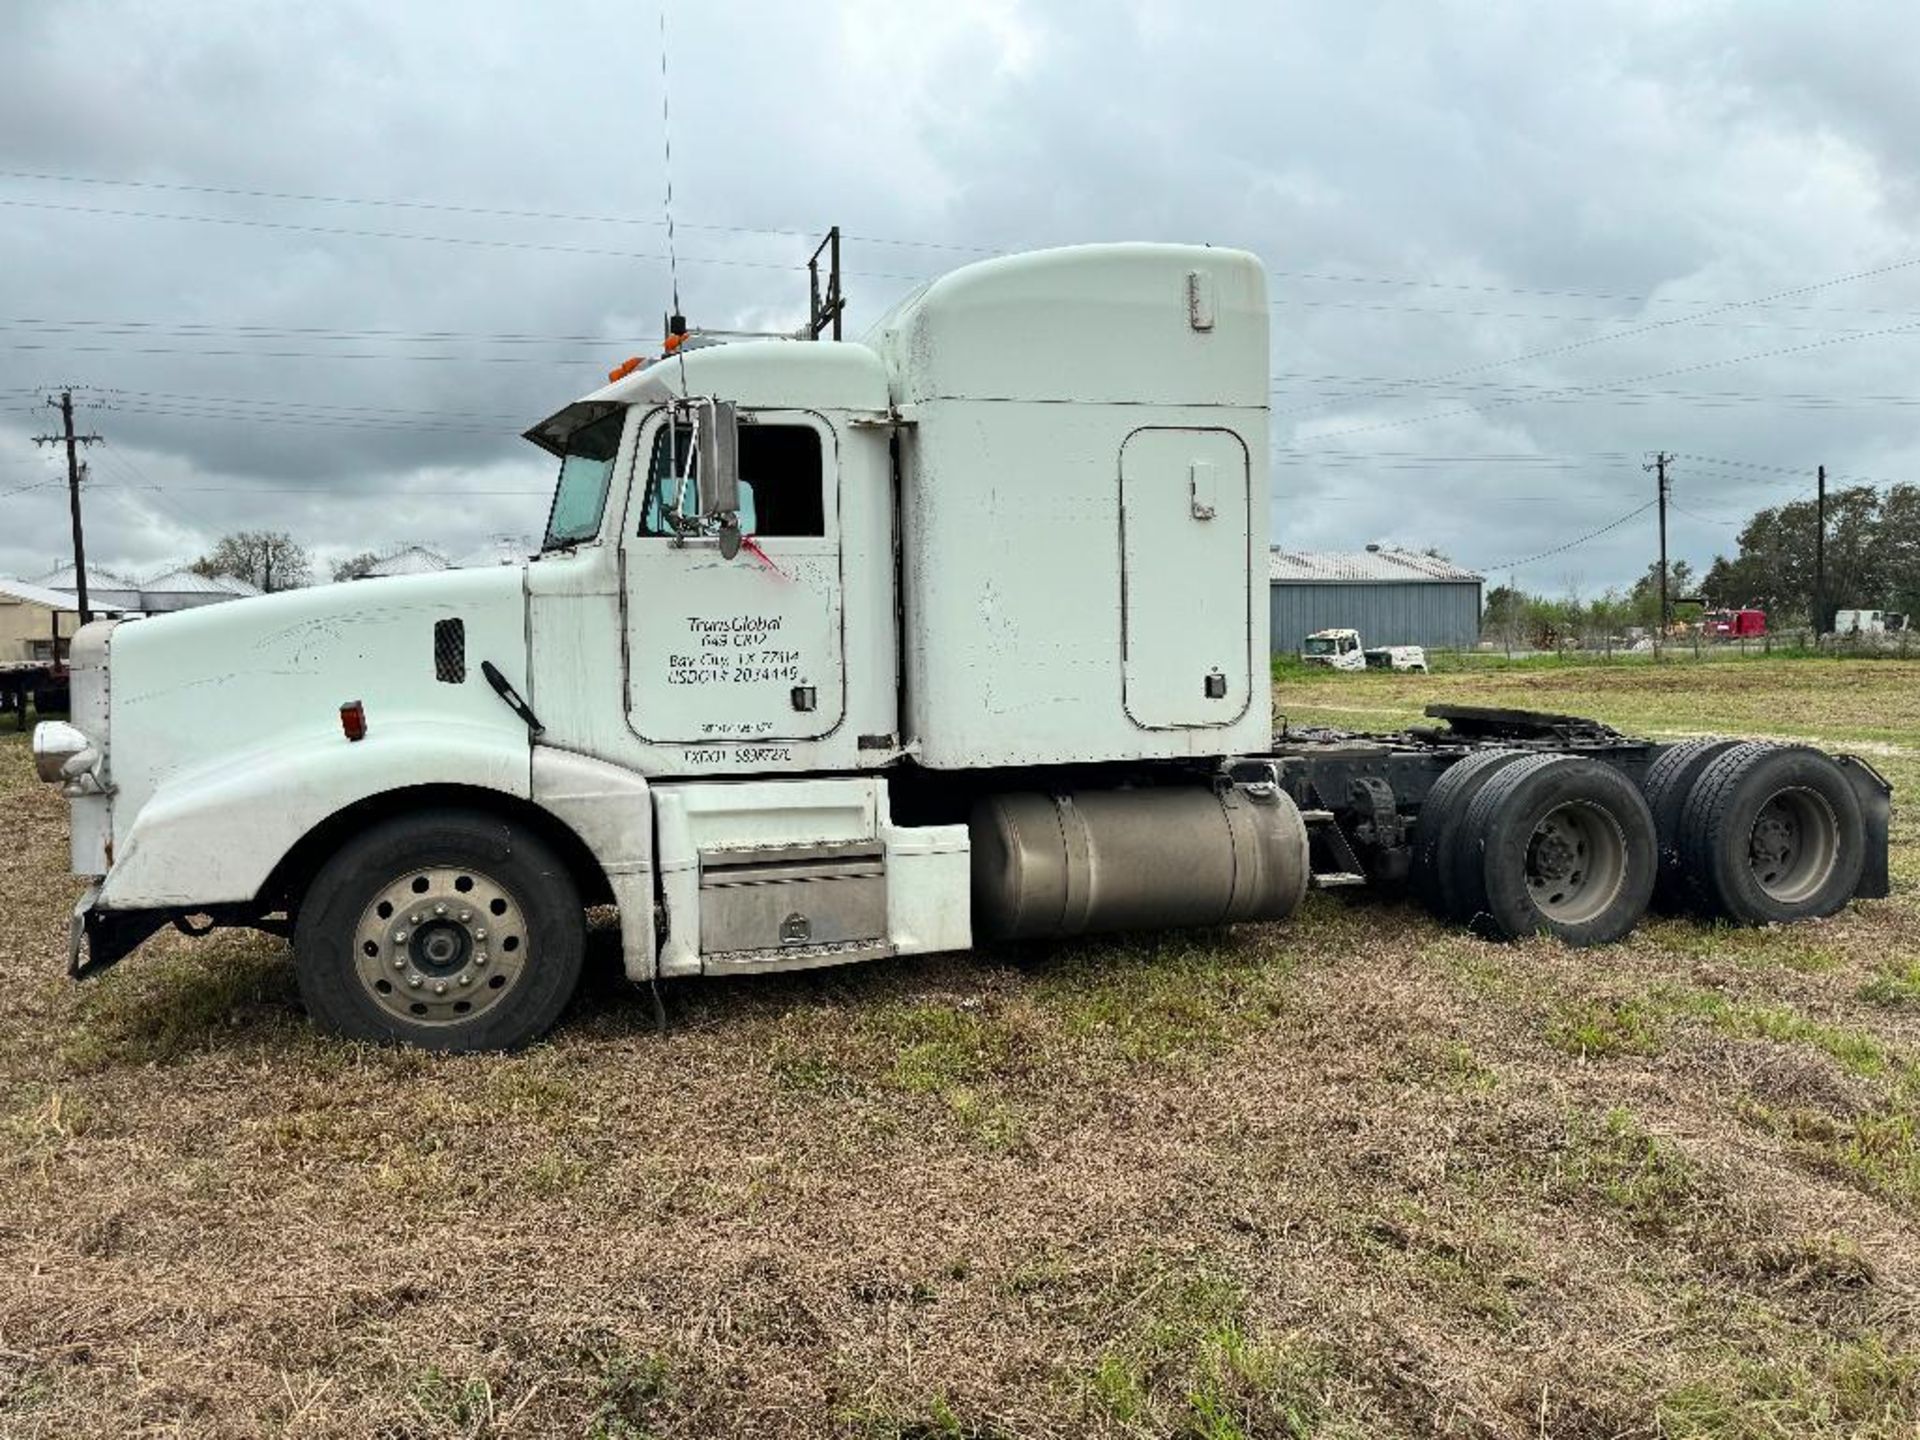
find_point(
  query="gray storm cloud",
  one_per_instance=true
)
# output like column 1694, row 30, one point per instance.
column 1512, row 250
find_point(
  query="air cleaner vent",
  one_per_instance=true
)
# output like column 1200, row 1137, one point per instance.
column 450, row 651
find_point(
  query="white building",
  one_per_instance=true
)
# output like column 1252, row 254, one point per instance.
column 412, row 560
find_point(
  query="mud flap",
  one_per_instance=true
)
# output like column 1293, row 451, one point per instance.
column 105, row 937
column 1876, row 809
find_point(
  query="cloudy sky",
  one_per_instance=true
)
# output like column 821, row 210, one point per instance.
column 313, row 267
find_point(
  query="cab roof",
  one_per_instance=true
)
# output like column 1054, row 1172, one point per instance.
column 787, row 374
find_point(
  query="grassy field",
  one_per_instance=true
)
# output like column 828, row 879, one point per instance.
column 1355, row 1175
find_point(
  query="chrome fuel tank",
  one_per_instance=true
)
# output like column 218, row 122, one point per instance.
column 1078, row 862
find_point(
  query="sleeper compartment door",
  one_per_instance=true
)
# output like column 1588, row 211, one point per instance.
column 750, row 648
column 1185, row 577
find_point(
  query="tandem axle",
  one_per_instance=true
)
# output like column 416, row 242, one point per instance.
column 1751, row 832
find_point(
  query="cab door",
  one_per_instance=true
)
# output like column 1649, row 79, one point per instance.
column 744, row 649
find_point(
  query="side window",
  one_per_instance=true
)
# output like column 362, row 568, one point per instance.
column 670, row 477
column 782, row 480
column 585, row 470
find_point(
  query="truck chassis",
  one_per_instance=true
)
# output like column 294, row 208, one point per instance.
column 1508, row 822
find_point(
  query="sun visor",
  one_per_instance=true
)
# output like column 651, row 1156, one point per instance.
column 552, row 433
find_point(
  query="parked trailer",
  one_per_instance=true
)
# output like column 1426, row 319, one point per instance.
column 41, row 683
column 836, row 651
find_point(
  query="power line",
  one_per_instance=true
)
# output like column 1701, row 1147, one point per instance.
column 1519, row 391
column 276, row 402
column 784, row 232
column 324, row 422
column 1450, row 311
column 331, row 492
column 488, row 210
column 553, row 360
column 1571, row 544
column 1606, row 385
column 326, row 332
column 1707, row 519
column 1800, row 472
column 484, row 242
column 1650, row 326
column 31, row 485
column 124, row 462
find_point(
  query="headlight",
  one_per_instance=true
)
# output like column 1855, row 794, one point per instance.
column 55, row 742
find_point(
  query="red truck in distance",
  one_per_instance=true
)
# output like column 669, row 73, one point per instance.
column 1734, row 624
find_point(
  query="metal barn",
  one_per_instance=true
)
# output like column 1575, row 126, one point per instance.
column 1392, row 597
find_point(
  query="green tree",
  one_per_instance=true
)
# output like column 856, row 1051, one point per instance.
column 356, row 567
column 1871, row 544
column 266, row 558
column 1643, row 601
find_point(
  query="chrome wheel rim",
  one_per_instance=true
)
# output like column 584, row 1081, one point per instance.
column 1576, row 862
column 1794, row 845
column 441, row 946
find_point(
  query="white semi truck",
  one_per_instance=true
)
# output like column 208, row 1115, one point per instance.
column 1342, row 649
column 836, row 651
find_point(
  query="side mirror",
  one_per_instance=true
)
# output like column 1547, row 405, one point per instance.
column 719, row 468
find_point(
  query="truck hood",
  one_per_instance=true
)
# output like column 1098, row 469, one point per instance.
column 203, row 688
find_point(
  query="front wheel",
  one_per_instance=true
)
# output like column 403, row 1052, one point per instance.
column 449, row 929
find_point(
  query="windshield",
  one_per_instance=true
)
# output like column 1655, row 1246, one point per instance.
column 585, row 470
column 1319, row 646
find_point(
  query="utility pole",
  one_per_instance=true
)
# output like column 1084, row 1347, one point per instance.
column 1820, row 559
column 1659, row 467
column 74, row 468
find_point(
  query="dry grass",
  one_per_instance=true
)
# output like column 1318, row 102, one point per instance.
column 1351, row 1176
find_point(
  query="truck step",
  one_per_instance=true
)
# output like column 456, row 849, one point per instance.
column 792, row 957
column 1336, row 879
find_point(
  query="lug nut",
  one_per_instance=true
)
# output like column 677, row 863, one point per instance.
column 413, row 982
column 465, row 916
column 466, row 979
column 439, row 909
column 400, row 962
column 399, row 937
column 417, row 917
column 480, row 934
column 480, row 958
column 441, row 988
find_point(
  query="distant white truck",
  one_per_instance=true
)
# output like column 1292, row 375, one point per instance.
column 1342, row 650
column 1868, row 622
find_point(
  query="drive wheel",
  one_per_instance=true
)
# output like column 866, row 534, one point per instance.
column 450, row 929
column 1772, row 833
column 1437, row 833
column 1668, row 782
column 1557, row 845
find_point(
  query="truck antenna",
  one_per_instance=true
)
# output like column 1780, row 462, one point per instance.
column 676, row 322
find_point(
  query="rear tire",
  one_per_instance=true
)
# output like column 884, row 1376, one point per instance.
column 1557, row 845
column 1669, row 780
column 1437, row 833
column 449, row 929
column 1772, row 833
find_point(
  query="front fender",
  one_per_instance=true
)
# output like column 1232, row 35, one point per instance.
column 212, row 836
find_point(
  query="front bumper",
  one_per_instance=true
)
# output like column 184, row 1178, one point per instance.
column 99, row 938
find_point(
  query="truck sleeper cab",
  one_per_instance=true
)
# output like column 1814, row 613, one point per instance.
column 838, row 651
